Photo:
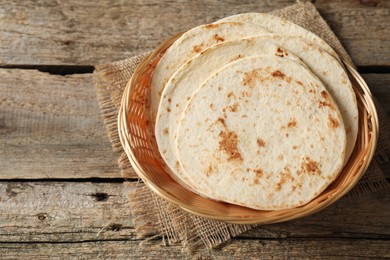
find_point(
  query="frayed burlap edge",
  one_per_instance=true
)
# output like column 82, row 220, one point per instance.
column 154, row 217
column 110, row 81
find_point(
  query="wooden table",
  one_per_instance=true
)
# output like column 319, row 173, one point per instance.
column 61, row 194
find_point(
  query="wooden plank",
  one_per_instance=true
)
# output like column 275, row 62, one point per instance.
column 51, row 127
column 64, row 211
column 71, row 212
column 91, row 32
column 235, row 249
column 360, row 26
column 380, row 87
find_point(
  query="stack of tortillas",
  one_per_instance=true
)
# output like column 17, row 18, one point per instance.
column 253, row 110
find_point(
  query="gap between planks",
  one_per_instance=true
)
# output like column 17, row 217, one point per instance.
column 95, row 32
column 74, row 69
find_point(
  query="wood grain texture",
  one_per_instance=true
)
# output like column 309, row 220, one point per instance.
column 380, row 88
column 92, row 32
column 64, row 212
column 68, row 212
column 235, row 249
column 51, row 127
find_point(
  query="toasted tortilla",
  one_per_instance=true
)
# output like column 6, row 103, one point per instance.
column 185, row 82
column 262, row 132
column 190, row 44
column 230, row 28
column 280, row 26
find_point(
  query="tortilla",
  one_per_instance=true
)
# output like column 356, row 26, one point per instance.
column 266, row 130
column 191, row 44
column 230, row 28
column 190, row 76
column 280, row 26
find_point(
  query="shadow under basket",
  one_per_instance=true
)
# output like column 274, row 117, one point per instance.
column 139, row 144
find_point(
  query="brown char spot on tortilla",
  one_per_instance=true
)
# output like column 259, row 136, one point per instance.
column 169, row 100
column 169, row 110
column 165, row 131
column 278, row 74
column 212, row 25
column 209, row 170
column 233, row 108
column 260, row 142
column 281, row 75
column 284, row 176
column 231, row 94
column 299, row 82
column 249, row 78
column 280, row 52
column 197, row 48
column 310, row 166
column 229, row 144
column 236, row 58
column 177, row 164
column 222, row 121
column 325, row 94
column 333, row 122
column 245, row 93
column 218, row 38
column 292, row 123
column 258, row 175
column 327, row 102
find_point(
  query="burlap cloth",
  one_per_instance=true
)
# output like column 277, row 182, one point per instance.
column 155, row 217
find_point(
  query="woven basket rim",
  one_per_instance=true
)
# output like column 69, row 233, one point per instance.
column 361, row 158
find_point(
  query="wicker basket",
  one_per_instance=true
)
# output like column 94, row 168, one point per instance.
column 140, row 146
